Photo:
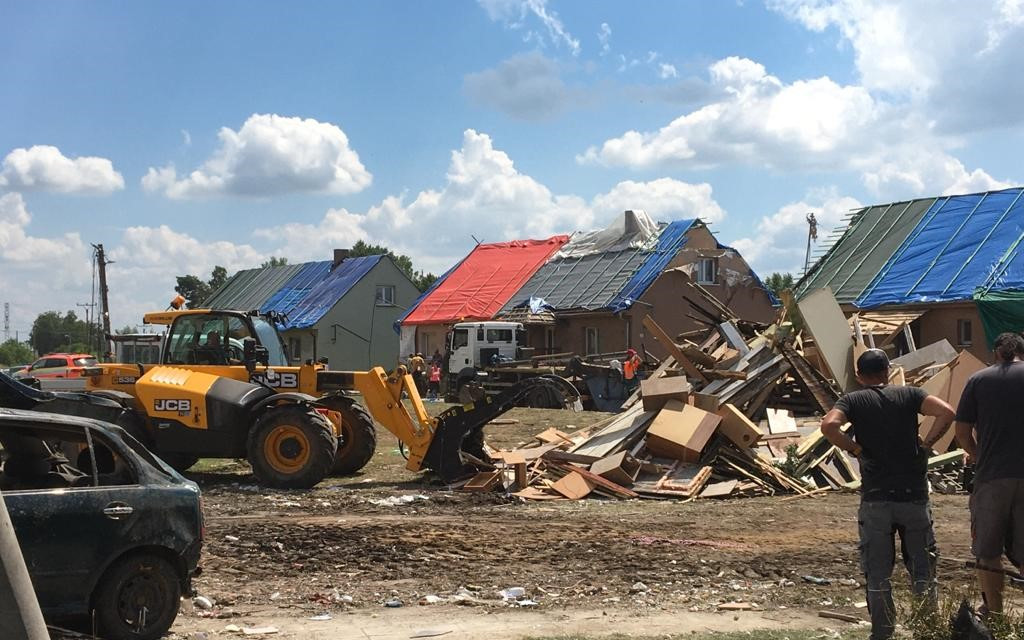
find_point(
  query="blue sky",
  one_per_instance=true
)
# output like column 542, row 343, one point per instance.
column 184, row 135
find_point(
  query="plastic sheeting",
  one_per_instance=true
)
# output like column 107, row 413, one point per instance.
column 297, row 288
column 322, row 297
column 478, row 287
column 669, row 243
column 961, row 244
column 251, row 288
column 1000, row 311
column 630, row 230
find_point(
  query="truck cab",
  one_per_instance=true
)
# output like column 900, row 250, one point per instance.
column 475, row 346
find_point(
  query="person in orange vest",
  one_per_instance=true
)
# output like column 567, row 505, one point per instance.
column 631, row 369
column 435, row 382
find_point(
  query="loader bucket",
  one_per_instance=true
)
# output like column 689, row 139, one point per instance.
column 460, row 429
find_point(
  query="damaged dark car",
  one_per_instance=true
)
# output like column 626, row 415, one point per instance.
column 110, row 533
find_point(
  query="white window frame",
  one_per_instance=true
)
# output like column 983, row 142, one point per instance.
column 703, row 266
column 385, row 295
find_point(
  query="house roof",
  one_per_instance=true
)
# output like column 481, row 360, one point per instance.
column 477, row 287
column 302, row 292
column 609, row 280
column 322, row 297
column 250, row 288
column 926, row 250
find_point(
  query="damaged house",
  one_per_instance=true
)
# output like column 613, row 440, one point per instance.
column 920, row 271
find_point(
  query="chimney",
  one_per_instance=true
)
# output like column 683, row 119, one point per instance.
column 339, row 255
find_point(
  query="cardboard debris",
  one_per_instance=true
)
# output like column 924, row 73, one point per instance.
column 680, row 431
column 655, row 392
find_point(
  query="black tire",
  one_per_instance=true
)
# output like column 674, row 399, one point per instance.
column 179, row 461
column 358, row 439
column 131, row 583
column 291, row 447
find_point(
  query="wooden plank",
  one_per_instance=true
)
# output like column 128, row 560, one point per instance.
column 483, row 481
column 719, row 489
column 733, row 337
column 573, row 486
column 681, row 431
column 737, row 427
column 616, row 489
column 618, row 432
column 659, row 334
column 939, row 352
column 781, row 421
column 826, row 323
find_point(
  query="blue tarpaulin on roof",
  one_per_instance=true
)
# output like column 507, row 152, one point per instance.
column 294, row 290
column 322, row 297
column 962, row 244
column 672, row 238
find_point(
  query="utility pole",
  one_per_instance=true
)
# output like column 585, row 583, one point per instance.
column 101, row 264
column 88, row 321
column 20, row 617
column 7, row 321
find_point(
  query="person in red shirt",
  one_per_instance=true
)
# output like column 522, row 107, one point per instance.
column 631, row 368
column 434, row 388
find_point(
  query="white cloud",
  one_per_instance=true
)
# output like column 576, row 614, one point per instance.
column 779, row 241
column 527, row 86
column 514, row 14
column 604, row 35
column 666, row 71
column 45, row 168
column 957, row 60
column 806, row 125
column 665, row 199
column 186, row 138
column 270, row 155
column 485, row 195
column 21, row 249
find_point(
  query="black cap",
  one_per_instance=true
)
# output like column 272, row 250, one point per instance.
column 872, row 361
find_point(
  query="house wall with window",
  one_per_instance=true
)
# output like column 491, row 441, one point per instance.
column 957, row 322
column 357, row 334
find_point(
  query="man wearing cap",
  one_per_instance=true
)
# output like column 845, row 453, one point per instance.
column 991, row 407
column 894, row 487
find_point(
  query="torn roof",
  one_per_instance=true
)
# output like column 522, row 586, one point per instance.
column 477, row 287
column 609, row 279
column 925, row 250
column 303, row 292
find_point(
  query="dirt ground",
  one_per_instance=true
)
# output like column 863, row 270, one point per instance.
column 280, row 558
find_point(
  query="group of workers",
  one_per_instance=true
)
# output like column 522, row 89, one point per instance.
column 427, row 377
column 884, row 437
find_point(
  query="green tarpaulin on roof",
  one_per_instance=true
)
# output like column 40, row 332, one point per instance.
column 1000, row 311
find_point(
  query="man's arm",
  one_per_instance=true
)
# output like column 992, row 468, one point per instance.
column 965, row 437
column 942, row 412
column 832, row 429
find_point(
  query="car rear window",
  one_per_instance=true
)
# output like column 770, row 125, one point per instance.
column 85, row 362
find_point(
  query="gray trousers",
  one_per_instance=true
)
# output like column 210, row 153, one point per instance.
column 878, row 523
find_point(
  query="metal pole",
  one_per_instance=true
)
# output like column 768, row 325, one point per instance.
column 101, row 264
column 20, row 617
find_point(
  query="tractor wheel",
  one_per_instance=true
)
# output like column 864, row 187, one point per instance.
column 358, row 438
column 291, row 447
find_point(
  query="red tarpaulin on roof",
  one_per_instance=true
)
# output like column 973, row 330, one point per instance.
column 484, row 281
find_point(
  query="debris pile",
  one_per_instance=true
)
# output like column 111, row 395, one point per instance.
column 734, row 411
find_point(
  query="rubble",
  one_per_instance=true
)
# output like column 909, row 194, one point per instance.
column 734, row 411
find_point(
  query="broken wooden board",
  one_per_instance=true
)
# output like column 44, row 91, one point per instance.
column 621, row 468
column 553, row 436
column 655, row 392
column 573, row 486
column 483, row 481
column 624, row 427
column 949, row 384
column 737, row 427
column 611, row 487
column 659, row 334
column 733, row 337
column 719, row 489
column 781, row 422
column 939, row 352
column 680, row 431
column 826, row 323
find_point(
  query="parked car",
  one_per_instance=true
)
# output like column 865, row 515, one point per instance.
column 58, row 365
column 108, row 530
column 15, row 369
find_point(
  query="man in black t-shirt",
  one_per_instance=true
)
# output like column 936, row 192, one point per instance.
column 992, row 405
column 894, row 486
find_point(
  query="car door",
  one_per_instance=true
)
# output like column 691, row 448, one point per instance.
column 69, row 534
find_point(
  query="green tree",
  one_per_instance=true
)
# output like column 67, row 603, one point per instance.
column 196, row 291
column 421, row 279
column 53, row 331
column 779, row 282
column 13, row 352
column 274, row 262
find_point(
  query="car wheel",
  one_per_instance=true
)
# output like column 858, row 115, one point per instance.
column 137, row 599
column 291, row 447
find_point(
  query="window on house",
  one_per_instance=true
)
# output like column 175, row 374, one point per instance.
column 629, row 332
column 591, row 344
column 295, row 348
column 385, row 295
column 549, row 340
column 963, row 333
column 707, row 271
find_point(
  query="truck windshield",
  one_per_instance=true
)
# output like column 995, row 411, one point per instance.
column 271, row 340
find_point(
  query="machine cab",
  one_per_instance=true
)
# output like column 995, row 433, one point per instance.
column 479, row 345
column 216, row 338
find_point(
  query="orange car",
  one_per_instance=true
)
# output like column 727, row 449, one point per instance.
column 58, row 365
